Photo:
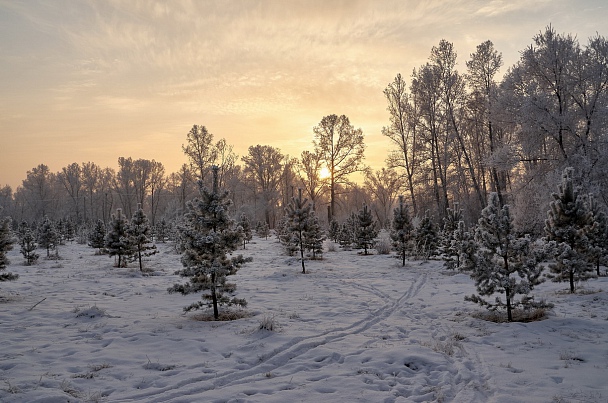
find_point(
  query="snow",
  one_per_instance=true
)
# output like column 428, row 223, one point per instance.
column 354, row 329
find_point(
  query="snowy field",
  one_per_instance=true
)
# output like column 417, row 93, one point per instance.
column 355, row 329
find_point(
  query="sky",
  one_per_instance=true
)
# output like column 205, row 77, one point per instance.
column 95, row 80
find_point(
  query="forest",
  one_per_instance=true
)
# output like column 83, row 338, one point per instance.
column 456, row 137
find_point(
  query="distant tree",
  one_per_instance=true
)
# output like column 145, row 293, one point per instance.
column 449, row 247
column 162, row 230
column 569, row 220
column 384, row 186
column 199, row 150
column 6, row 244
column 139, row 234
column 117, row 242
column 208, row 235
column 426, row 237
column 298, row 222
column 367, row 229
column 401, row 233
column 597, row 234
column 69, row 230
column 334, row 229
column 48, row 237
column 262, row 230
column 505, row 264
column 97, row 236
column 341, row 147
column 245, row 224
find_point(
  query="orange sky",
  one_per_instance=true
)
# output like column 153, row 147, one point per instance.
column 96, row 80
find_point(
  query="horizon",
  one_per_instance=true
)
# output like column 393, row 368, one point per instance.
column 94, row 81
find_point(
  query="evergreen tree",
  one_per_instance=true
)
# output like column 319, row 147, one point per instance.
column 466, row 246
column 208, row 236
column 345, row 235
column 70, row 230
column 117, row 242
column 245, row 225
column 97, row 236
column 48, row 237
column 162, row 230
column 6, row 244
column 597, row 234
column 298, row 222
column 262, row 229
column 401, row 233
column 139, row 236
column 504, row 264
column 449, row 247
column 366, row 229
column 334, row 230
column 314, row 237
column 567, row 224
column 28, row 246
column 426, row 237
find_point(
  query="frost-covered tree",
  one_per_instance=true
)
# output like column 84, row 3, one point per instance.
column 334, row 229
column 161, row 230
column 314, row 237
column 48, row 237
column 464, row 242
column 505, row 264
column 597, row 234
column 245, row 225
column 117, row 242
column 426, row 237
column 139, row 234
column 28, row 246
column 401, row 232
column 69, row 230
column 97, row 236
column 208, row 236
column 367, row 229
column 448, row 245
column 298, row 222
column 262, row 229
column 567, row 224
column 6, row 244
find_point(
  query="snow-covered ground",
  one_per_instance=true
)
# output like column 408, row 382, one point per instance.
column 354, row 329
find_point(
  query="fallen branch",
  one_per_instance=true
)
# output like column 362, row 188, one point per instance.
column 34, row 306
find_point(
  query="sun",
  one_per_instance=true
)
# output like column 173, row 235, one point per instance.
column 324, row 173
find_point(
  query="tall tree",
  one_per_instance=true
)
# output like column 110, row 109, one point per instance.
column 71, row 179
column 208, row 236
column 310, row 165
column 383, row 185
column 199, row 150
column 341, row 147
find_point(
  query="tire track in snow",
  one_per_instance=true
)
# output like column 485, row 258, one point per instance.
column 280, row 356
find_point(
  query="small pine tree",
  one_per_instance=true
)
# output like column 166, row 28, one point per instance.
column 162, row 230
column 298, row 222
column 60, row 228
column 567, row 224
column 245, row 225
column 28, row 247
column 466, row 247
column 117, row 242
column 448, row 245
column 48, row 237
column 314, row 237
column 334, row 230
column 6, row 244
column 345, row 235
column 366, row 229
column 70, row 230
column 426, row 237
column 97, row 237
column 597, row 234
column 139, row 236
column 262, row 229
column 504, row 264
column 401, row 233
column 208, row 236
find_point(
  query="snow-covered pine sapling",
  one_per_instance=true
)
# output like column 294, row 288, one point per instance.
column 262, row 229
column 569, row 219
column 448, row 247
column 245, row 225
column 28, row 247
column 6, row 244
column 97, row 237
column 334, row 230
column 139, row 236
column 314, row 237
column 298, row 222
column 366, row 229
column 597, row 234
column 161, row 230
column 117, row 242
column 401, row 231
column 505, row 264
column 208, row 235
column 48, row 237
column 426, row 237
